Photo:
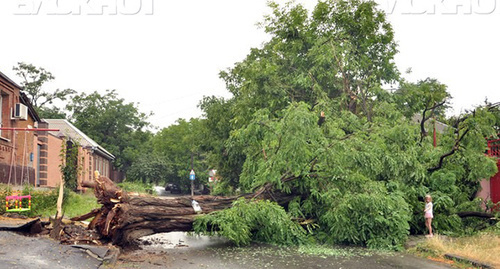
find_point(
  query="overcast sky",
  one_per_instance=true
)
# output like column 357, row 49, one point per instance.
column 166, row 55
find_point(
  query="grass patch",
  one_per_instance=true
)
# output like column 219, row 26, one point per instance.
column 44, row 202
column 79, row 204
column 74, row 204
column 482, row 247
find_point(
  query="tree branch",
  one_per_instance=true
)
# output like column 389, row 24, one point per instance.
column 423, row 132
column 453, row 150
column 483, row 215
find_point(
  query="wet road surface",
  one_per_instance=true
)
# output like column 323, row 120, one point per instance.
column 176, row 250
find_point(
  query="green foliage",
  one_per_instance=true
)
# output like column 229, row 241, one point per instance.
column 376, row 219
column 358, row 175
column 151, row 167
column 33, row 80
column 342, row 52
column 51, row 113
column 413, row 98
column 71, row 165
column 181, row 144
column 270, row 145
column 226, row 157
column 112, row 123
column 5, row 190
column 223, row 188
column 247, row 221
column 362, row 173
column 44, row 202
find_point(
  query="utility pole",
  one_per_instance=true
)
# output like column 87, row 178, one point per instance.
column 192, row 176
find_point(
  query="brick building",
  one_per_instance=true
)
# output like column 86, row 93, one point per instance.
column 33, row 156
column 91, row 155
column 19, row 150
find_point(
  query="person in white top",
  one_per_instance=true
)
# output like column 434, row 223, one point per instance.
column 428, row 213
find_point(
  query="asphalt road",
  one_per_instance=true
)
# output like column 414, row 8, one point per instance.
column 176, row 250
column 18, row 251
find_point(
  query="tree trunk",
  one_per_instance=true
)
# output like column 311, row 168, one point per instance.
column 124, row 218
column 57, row 221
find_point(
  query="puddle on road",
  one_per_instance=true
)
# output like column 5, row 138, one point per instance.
column 179, row 240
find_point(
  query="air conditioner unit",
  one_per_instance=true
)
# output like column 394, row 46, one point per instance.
column 20, row 112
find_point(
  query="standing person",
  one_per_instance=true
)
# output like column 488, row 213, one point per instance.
column 428, row 213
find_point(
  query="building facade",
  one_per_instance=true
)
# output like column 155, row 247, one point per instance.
column 91, row 156
column 18, row 148
column 30, row 147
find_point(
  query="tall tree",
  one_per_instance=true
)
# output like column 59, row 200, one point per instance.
column 181, row 143
column 115, row 124
column 308, row 117
column 33, row 80
column 429, row 96
column 344, row 51
column 151, row 167
column 219, row 121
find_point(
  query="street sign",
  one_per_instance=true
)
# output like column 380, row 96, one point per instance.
column 192, row 175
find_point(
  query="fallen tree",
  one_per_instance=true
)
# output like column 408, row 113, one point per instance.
column 124, row 218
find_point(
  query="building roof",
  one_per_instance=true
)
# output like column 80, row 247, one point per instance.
column 22, row 97
column 26, row 101
column 10, row 81
column 69, row 130
column 440, row 127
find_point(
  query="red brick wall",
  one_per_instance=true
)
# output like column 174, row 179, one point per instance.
column 17, row 145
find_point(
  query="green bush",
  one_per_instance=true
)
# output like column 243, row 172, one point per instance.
column 43, row 203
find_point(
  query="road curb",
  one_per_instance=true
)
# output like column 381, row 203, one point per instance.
column 463, row 259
